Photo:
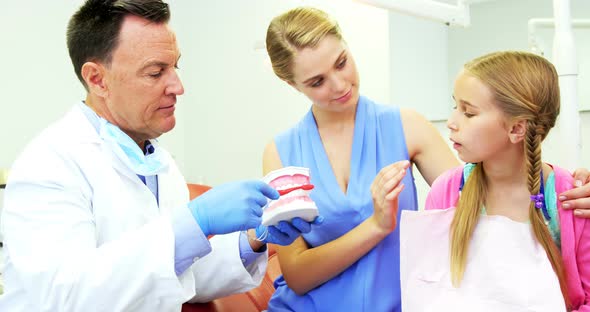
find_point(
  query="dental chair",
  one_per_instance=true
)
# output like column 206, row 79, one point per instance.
column 253, row 300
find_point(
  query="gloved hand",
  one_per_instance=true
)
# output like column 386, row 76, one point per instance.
column 231, row 207
column 285, row 233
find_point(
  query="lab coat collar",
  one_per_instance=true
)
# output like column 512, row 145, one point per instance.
column 89, row 134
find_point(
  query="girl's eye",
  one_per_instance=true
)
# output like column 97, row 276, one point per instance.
column 341, row 64
column 466, row 113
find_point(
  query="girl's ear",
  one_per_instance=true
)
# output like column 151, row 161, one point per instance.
column 517, row 131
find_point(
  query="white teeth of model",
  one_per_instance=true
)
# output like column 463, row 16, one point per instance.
column 286, row 186
column 297, row 204
column 296, row 193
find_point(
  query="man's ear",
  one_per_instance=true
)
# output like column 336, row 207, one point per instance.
column 94, row 76
column 517, row 131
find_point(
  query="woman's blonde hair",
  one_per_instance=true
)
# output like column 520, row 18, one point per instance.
column 525, row 87
column 295, row 30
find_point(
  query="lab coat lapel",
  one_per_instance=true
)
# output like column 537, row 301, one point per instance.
column 166, row 192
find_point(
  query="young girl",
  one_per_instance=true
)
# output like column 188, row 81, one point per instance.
column 510, row 245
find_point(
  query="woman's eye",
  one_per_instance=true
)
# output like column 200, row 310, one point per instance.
column 317, row 83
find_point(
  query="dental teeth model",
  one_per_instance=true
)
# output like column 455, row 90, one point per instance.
column 293, row 184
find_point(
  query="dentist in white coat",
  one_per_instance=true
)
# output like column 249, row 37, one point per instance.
column 97, row 216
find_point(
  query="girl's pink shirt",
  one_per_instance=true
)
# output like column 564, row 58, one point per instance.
column 575, row 232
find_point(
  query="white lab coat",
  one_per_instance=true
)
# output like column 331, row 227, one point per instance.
column 83, row 233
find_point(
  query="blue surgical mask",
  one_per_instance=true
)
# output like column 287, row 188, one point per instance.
column 129, row 152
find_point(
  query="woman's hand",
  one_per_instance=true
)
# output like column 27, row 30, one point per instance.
column 578, row 198
column 385, row 191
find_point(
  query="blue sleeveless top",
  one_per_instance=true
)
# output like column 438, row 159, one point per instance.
column 373, row 282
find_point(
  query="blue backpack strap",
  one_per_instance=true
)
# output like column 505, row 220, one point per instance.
column 467, row 169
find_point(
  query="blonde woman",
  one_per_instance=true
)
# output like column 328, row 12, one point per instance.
column 358, row 152
column 512, row 247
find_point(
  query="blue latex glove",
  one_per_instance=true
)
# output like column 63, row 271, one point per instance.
column 285, row 232
column 231, row 207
